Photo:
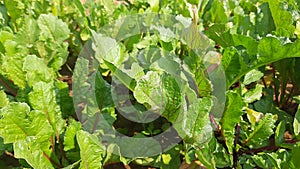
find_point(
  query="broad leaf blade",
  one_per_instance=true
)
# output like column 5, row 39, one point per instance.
column 196, row 122
column 33, row 153
column 262, row 131
column 231, row 117
column 91, row 151
column 14, row 125
column 43, row 98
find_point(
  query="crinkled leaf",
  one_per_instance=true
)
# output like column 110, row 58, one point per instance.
column 18, row 123
column 52, row 28
column 52, row 36
column 262, row 131
column 196, row 122
column 34, row 154
column 43, row 98
column 36, row 70
column 14, row 124
column 172, row 92
column 54, row 54
column 12, row 63
column 91, row 150
column 149, row 90
column 106, row 49
column 29, row 32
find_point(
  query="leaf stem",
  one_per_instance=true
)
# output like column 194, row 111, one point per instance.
column 52, row 161
column 8, row 88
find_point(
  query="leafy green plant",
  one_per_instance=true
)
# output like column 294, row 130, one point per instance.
column 163, row 84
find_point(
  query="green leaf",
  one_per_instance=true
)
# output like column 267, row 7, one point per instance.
column 214, row 155
column 170, row 159
column 297, row 30
column 231, row 117
column 12, row 63
column 129, row 82
column 253, row 94
column 173, row 96
column 205, row 155
column 252, row 76
column 264, row 23
column 296, row 123
column 34, row 153
column 149, row 90
column 295, row 157
column 70, row 135
column 80, row 85
column 106, row 49
column 279, row 133
column 4, row 99
column 14, row 124
column 215, row 12
column 18, row 123
column 43, row 98
column 15, row 8
column 5, row 147
column 36, row 70
column 28, row 33
column 196, row 122
column 64, row 99
column 52, row 28
column 233, row 65
column 259, row 161
column 270, row 49
column 91, row 151
column 247, row 42
column 194, row 39
column 282, row 18
column 154, row 5
column 262, row 131
column 166, row 34
column 219, row 34
column 72, row 166
column 253, row 116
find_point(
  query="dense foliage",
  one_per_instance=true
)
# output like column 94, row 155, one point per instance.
column 215, row 82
